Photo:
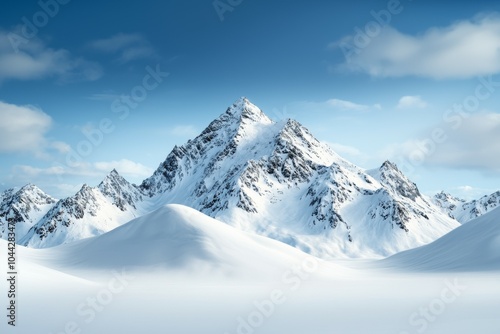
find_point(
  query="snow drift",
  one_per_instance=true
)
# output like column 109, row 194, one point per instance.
column 474, row 246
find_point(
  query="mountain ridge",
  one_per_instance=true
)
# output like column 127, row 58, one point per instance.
column 271, row 178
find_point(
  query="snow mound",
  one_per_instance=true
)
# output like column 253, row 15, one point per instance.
column 176, row 237
column 474, row 246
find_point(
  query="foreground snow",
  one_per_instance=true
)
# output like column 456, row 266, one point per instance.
column 179, row 271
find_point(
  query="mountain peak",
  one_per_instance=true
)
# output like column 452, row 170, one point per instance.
column 394, row 179
column 246, row 110
column 388, row 165
column 113, row 175
column 29, row 188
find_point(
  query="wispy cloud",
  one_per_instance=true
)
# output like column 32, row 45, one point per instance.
column 474, row 146
column 35, row 60
column 337, row 104
column 411, row 102
column 128, row 47
column 464, row 49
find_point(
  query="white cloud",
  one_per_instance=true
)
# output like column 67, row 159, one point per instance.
column 346, row 105
column 22, row 128
column 408, row 102
column 34, row 60
column 60, row 147
column 128, row 46
column 475, row 144
column 464, row 49
column 184, row 131
column 465, row 188
column 31, row 171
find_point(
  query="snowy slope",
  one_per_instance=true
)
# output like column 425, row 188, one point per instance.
column 24, row 207
column 474, row 246
column 176, row 238
column 270, row 178
column 464, row 211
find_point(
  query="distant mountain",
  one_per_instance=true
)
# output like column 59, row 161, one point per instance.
column 90, row 212
column 24, row 207
column 464, row 211
column 271, row 178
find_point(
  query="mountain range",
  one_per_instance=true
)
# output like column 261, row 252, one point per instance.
column 271, row 178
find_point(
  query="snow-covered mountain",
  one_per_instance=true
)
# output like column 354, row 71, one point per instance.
column 271, row 178
column 464, row 211
column 90, row 212
column 24, row 207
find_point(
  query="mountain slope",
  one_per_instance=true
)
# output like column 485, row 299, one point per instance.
column 474, row 246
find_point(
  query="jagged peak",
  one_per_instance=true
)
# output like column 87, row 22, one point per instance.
column 291, row 125
column 113, row 175
column 244, row 110
column 389, row 165
column 390, row 168
column 390, row 176
column 30, row 187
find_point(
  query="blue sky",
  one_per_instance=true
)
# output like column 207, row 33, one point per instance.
column 120, row 83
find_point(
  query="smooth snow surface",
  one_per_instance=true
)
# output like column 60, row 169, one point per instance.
column 470, row 247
